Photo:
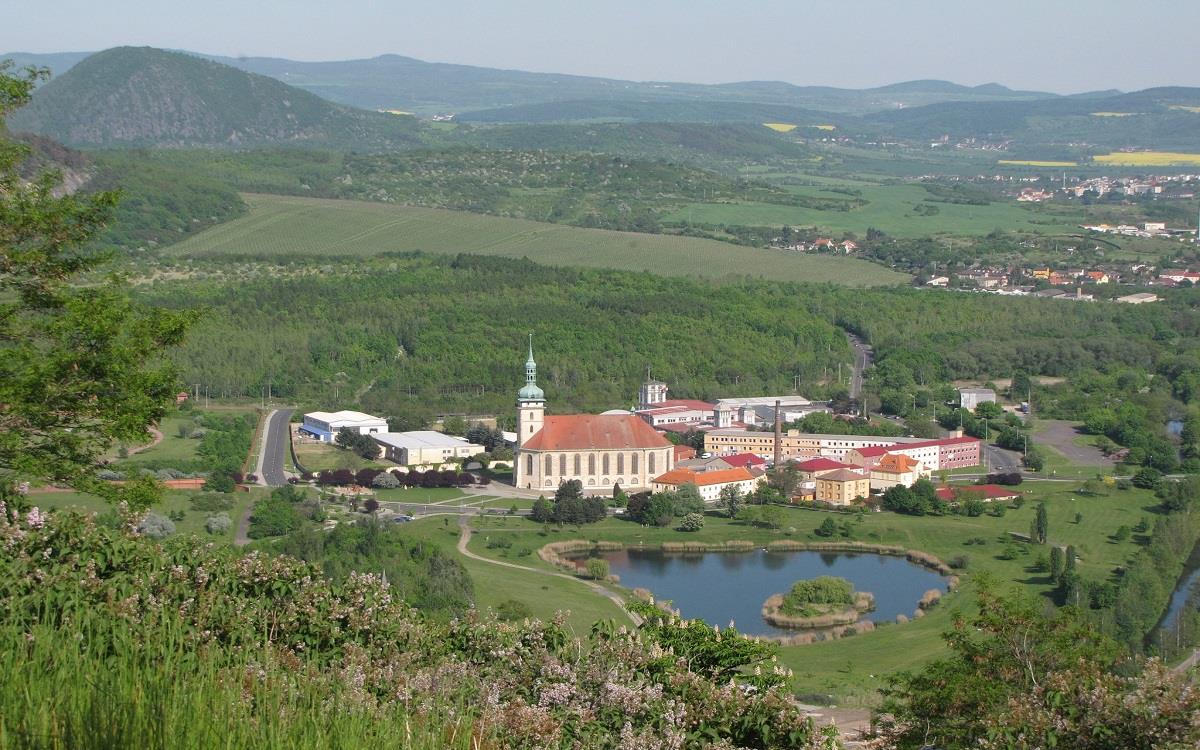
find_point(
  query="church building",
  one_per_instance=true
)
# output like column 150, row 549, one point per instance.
column 600, row 450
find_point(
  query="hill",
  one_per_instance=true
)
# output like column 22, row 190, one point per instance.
column 649, row 110
column 142, row 96
column 1162, row 118
column 398, row 82
column 279, row 226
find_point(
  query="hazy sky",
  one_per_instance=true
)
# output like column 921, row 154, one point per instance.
column 1055, row 45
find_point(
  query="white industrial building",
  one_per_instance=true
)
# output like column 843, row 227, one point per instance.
column 425, row 447
column 325, row 426
column 969, row 398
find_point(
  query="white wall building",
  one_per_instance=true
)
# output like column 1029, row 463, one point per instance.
column 424, row 447
column 325, row 426
column 969, row 398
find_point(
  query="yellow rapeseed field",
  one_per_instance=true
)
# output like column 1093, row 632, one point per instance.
column 780, row 127
column 1185, row 108
column 1147, row 158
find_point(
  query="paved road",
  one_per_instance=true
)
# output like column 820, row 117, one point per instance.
column 1001, row 460
column 1061, row 436
column 275, row 447
column 862, row 360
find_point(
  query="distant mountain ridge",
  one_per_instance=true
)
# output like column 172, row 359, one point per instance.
column 141, row 96
column 399, row 82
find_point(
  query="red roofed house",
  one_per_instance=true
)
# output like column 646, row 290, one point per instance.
column 934, row 455
column 815, row 467
column 982, row 491
column 600, row 450
column 684, row 453
column 896, row 469
column 745, row 461
column 710, row 483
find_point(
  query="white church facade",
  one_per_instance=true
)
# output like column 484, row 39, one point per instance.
column 600, row 450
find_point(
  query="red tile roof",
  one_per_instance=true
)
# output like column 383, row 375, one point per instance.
column 570, row 432
column 684, row 452
column 702, row 478
column 897, row 463
column 875, row 450
column 744, row 460
column 822, row 464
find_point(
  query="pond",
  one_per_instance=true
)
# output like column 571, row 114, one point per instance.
column 724, row 587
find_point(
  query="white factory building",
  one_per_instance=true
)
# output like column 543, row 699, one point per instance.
column 325, row 426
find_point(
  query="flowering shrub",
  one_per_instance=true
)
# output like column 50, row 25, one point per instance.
column 671, row 684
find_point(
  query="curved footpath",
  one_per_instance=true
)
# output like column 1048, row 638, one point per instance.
column 464, row 538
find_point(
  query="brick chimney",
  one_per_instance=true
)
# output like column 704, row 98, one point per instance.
column 778, row 436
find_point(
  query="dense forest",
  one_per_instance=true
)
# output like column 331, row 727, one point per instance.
column 420, row 335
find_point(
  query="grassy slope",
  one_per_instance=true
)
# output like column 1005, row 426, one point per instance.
column 192, row 523
column 854, row 668
column 890, row 208
column 306, row 226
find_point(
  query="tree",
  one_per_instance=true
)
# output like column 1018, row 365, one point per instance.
column 543, row 511
column 1041, row 524
column 827, row 528
column 572, row 489
column 1056, row 562
column 731, row 500
column 597, row 568
column 80, row 364
column 989, row 410
column 785, row 479
column 1147, row 478
column 688, row 500
column 454, row 426
column 1007, row 651
column 771, row 516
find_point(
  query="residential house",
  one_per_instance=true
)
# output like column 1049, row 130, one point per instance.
column 897, row 469
column 843, row 487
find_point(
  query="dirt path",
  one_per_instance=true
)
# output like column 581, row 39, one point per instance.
column 1061, row 435
column 464, row 538
column 156, row 438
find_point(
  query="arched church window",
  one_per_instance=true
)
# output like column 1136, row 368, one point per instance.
column 633, row 462
column 529, row 464
column 620, row 463
column 650, row 463
column 549, row 464
column 578, row 465
column 562, row 464
column 605, row 462
column 591, row 463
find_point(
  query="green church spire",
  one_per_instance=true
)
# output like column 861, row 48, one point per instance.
column 531, row 392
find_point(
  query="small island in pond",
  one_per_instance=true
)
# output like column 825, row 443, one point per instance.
column 821, row 602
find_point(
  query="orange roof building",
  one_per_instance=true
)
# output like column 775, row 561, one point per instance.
column 710, row 483
column 599, row 450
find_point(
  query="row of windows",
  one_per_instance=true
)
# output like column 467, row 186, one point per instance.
column 577, row 463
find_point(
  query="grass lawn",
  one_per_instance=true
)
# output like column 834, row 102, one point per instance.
column 853, row 668
column 544, row 595
column 193, row 520
column 320, row 456
column 423, row 495
column 311, row 226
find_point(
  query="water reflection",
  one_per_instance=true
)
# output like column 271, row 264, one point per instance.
column 718, row 586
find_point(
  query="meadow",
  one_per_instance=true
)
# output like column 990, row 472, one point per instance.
column 288, row 226
column 889, row 207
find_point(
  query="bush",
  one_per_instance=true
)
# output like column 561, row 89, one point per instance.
column 210, row 501
column 829, row 590
column 177, row 515
column 827, row 528
column 960, row 562
column 974, row 507
column 692, row 522
column 511, row 610
column 219, row 481
column 156, row 526
column 597, row 568
column 1122, row 534
column 1147, row 478
column 218, row 524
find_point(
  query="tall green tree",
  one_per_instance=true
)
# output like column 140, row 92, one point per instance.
column 1041, row 524
column 81, row 365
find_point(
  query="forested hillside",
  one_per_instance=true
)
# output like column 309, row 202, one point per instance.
column 418, row 335
column 140, row 96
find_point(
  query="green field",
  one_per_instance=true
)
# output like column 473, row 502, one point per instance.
column 286, row 226
column 853, row 668
column 889, row 208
